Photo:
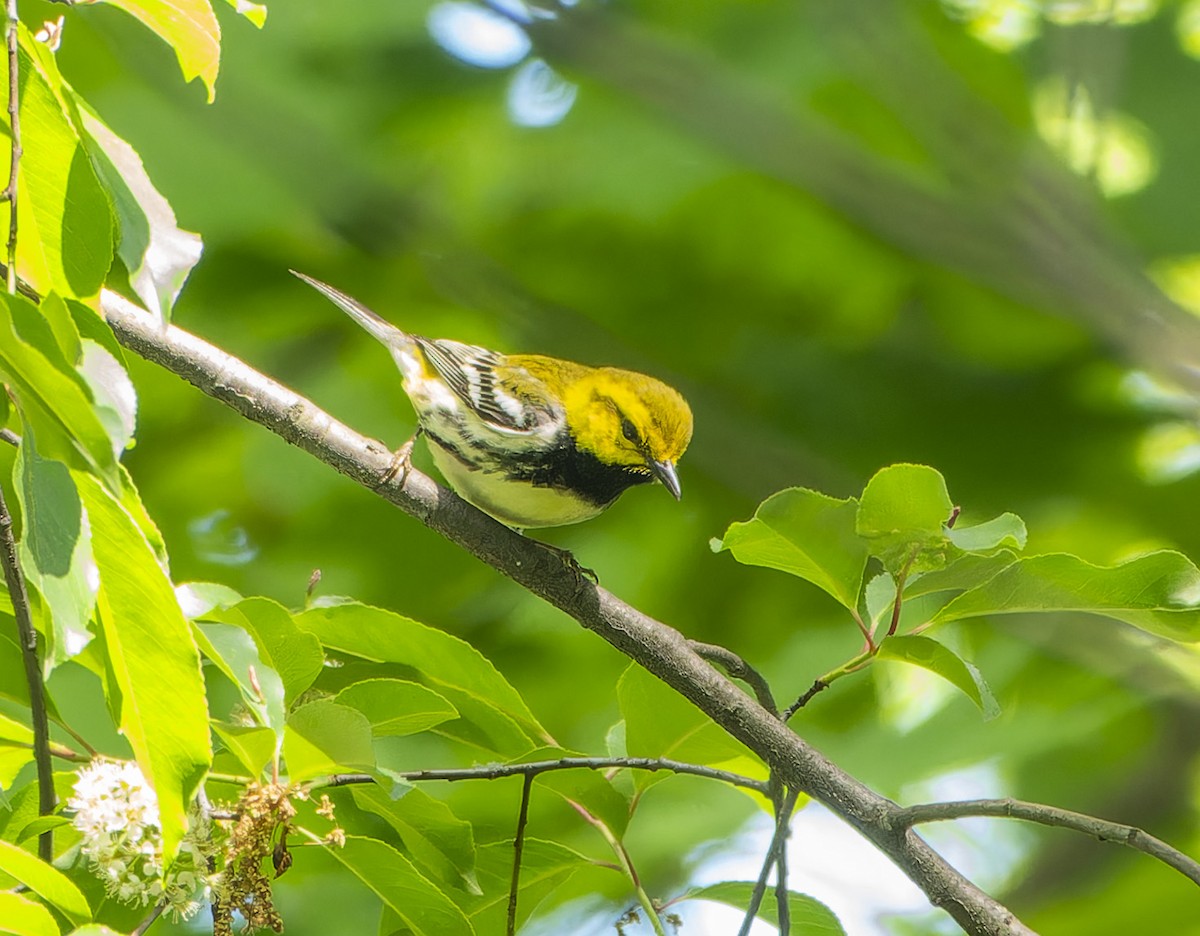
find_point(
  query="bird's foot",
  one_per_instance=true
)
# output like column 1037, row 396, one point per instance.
column 567, row 558
column 401, row 463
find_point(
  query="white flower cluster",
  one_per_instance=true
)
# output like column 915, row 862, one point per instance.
column 117, row 813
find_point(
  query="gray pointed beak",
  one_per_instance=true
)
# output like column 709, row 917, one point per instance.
column 665, row 472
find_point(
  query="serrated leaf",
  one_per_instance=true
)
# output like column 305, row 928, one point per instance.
column 809, row 916
column 437, row 839
column 46, row 881
column 55, row 548
column 323, row 738
column 187, row 26
column 807, row 534
column 1158, row 592
column 163, row 713
column 418, row 902
column 156, row 252
column 941, row 660
column 397, row 706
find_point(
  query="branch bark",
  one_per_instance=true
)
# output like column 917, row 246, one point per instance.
column 659, row 648
column 1103, row 829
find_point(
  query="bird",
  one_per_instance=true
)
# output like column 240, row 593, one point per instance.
column 533, row 441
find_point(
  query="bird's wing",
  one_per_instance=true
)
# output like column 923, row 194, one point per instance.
column 472, row 373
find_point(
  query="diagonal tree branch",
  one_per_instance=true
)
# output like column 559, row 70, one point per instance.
column 659, row 648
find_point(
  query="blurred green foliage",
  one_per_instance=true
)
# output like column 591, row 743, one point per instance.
column 878, row 261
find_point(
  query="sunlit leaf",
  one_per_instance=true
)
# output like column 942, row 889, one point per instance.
column 1158, row 592
column 902, row 514
column 235, row 654
column 187, row 26
column 295, row 655
column 254, row 746
column 63, row 214
column 940, row 659
column 164, row 713
column 156, row 252
column 21, row 916
column 45, row 880
column 807, row 534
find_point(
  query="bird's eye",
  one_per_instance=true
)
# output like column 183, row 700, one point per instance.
column 629, row 430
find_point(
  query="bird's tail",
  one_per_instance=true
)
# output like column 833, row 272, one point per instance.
column 379, row 327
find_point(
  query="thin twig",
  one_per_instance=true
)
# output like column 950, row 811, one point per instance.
column 627, row 867
column 783, row 815
column 819, row 685
column 783, row 908
column 14, row 120
column 7, row 435
column 738, row 668
column 153, row 915
column 518, row 848
column 532, row 769
column 19, row 596
column 1103, row 829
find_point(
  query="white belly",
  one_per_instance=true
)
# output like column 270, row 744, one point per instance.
column 515, row 503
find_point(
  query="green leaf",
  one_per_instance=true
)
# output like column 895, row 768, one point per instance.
column 437, row 839
column 164, row 712
column 113, row 393
column 94, row 929
column 448, row 665
column 254, row 747
column 661, row 723
column 64, row 216
column 940, row 659
column 46, row 881
column 233, row 650
column 256, row 13
column 903, row 513
column 14, row 732
column 56, row 553
column 39, row 825
column 964, row 573
column 62, row 324
column 591, row 789
column 199, row 598
column 545, row 866
column 21, row 916
column 1158, row 592
column 807, row 534
column 54, row 400
column 323, row 738
column 419, row 903
column 1005, row 530
column 396, row 706
column 809, row 916
column 156, row 252
column 187, row 26
column 295, row 655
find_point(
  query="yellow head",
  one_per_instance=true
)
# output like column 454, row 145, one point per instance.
column 629, row 419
